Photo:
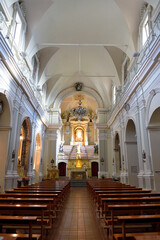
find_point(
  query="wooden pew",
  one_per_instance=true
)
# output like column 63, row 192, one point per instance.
column 123, row 194
column 17, row 220
column 139, row 236
column 134, row 209
column 59, row 195
column 51, row 193
column 33, row 201
column 112, row 201
column 117, row 191
column 24, row 210
column 15, row 236
column 140, row 219
column 57, row 200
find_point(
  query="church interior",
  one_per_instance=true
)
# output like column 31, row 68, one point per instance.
column 79, row 106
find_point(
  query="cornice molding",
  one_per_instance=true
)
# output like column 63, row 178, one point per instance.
column 153, row 128
column 5, row 128
column 100, row 126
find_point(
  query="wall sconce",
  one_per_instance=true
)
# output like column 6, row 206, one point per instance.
column 143, row 154
column 13, row 156
column 23, row 54
column 7, row 36
column 102, row 160
column 21, row 137
column 1, row 106
column 136, row 54
column 127, row 107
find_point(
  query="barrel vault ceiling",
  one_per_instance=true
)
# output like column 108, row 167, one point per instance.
column 81, row 41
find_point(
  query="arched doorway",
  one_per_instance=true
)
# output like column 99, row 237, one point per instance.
column 37, row 156
column 154, row 132
column 94, row 167
column 132, row 153
column 24, row 148
column 62, row 169
column 4, row 135
column 117, row 155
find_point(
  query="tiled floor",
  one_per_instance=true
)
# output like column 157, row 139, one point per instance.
column 78, row 221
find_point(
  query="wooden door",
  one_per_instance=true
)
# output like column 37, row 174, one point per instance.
column 94, row 166
column 62, row 169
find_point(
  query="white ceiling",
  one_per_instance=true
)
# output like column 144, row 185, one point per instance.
column 82, row 40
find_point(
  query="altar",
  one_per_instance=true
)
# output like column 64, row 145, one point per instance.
column 78, row 174
column 78, row 169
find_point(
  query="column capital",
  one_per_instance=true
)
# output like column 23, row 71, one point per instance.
column 52, row 131
column 16, row 104
column 102, row 115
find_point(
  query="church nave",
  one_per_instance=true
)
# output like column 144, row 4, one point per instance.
column 78, row 220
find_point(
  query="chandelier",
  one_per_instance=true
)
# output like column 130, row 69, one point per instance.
column 79, row 112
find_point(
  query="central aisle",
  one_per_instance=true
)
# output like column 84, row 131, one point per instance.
column 78, row 221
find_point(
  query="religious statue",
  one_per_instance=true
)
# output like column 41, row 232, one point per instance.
column 61, row 148
column 96, row 149
column 52, row 162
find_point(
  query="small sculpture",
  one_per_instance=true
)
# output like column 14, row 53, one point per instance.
column 61, row 148
column 96, row 149
column 52, row 162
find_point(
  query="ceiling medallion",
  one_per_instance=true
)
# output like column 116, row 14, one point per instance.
column 78, row 86
column 79, row 112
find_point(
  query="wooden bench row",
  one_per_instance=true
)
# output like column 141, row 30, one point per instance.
column 32, row 209
column 125, row 209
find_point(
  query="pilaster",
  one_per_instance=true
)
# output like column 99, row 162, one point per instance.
column 103, row 154
column 51, row 138
column 11, row 173
column 148, row 172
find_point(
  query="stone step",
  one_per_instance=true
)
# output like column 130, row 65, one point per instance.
column 77, row 183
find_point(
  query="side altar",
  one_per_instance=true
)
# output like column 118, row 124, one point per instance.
column 53, row 173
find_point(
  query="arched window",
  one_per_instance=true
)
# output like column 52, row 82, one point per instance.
column 145, row 26
column 18, row 27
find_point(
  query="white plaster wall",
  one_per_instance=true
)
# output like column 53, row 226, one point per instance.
column 20, row 109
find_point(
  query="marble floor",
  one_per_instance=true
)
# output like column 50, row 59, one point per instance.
column 77, row 220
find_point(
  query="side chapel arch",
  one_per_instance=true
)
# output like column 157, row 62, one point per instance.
column 5, row 123
column 154, row 137
column 37, row 156
column 117, row 155
column 132, row 152
column 24, row 148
